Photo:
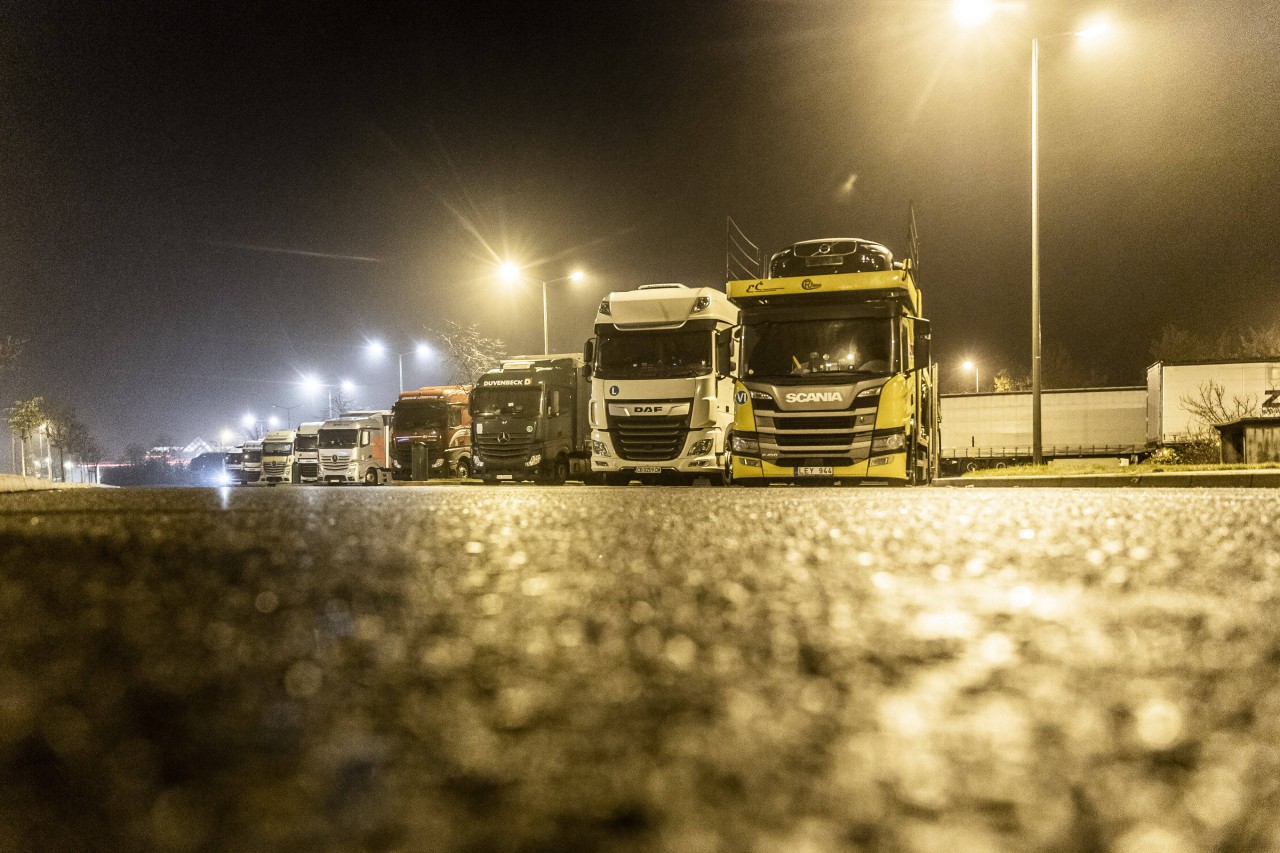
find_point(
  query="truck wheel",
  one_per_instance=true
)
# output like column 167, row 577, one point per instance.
column 726, row 476
column 464, row 468
column 371, row 477
column 560, row 471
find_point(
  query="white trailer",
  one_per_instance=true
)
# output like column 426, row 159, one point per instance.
column 662, row 394
column 1255, row 384
column 994, row 430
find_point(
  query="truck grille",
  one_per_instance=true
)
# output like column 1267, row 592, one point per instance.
column 504, row 454
column 308, row 470
column 648, row 439
column 815, row 438
column 273, row 469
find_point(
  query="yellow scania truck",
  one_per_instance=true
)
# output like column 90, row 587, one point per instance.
column 835, row 381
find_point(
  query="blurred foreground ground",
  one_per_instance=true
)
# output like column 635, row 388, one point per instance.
column 541, row 669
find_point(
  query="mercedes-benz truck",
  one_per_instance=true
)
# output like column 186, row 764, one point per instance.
column 353, row 449
column 435, row 421
column 529, row 420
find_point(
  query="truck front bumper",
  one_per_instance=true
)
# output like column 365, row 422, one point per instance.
column 703, row 455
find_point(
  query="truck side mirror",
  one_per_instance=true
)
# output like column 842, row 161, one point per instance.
column 589, row 355
column 924, row 341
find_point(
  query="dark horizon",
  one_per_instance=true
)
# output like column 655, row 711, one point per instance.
column 207, row 203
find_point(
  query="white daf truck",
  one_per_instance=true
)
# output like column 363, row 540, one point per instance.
column 306, row 451
column 662, row 395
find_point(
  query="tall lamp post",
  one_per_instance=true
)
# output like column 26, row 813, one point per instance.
column 511, row 274
column 378, row 350
column 311, row 385
column 973, row 13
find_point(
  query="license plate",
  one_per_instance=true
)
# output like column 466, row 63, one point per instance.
column 648, row 469
column 815, row 472
column 506, row 476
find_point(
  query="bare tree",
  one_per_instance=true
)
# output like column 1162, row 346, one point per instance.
column 1211, row 407
column 1177, row 344
column 467, row 353
column 1004, row 382
column 25, row 417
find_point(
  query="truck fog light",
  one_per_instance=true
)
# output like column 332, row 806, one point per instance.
column 702, row 447
column 743, row 444
column 437, row 463
column 534, row 459
column 881, row 460
column 478, row 462
column 750, row 463
column 599, row 448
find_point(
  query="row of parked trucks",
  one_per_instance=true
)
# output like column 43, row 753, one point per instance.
column 817, row 368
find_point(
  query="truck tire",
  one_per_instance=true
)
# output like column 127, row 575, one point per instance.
column 371, row 477
column 560, row 471
column 464, row 468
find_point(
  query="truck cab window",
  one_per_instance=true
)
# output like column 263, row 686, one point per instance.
column 364, row 438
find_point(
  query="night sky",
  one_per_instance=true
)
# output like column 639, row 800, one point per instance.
column 204, row 201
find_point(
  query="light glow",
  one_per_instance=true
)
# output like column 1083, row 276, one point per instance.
column 422, row 351
column 377, row 349
column 248, row 420
column 509, row 272
column 576, row 275
column 972, row 13
column 1096, row 29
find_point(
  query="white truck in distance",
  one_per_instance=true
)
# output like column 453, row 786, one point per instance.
column 306, row 447
column 353, row 448
column 661, row 384
column 279, row 459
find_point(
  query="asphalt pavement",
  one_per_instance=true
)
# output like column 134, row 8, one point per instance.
column 643, row 669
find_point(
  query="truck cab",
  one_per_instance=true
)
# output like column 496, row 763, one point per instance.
column 662, row 385
column 235, row 466
column 529, row 420
column 436, row 421
column 251, row 472
column 279, row 457
column 306, row 446
column 353, row 449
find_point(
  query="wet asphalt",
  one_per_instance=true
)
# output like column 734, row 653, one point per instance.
column 644, row 669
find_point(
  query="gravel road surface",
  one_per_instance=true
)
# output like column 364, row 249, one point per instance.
column 640, row 669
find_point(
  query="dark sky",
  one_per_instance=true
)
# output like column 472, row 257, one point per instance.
column 145, row 144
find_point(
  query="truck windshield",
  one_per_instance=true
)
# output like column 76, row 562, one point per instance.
column 277, row 448
column 653, row 355
column 819, row 347
column 523, row 400
column 418, row 415
column 338, row 438
column 253, row 456
column 307, row 442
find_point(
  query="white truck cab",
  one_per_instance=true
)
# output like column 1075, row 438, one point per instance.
column 353, row 448
column 252, row 471
column 279, row 457
column 306, row 451
column 662, row 395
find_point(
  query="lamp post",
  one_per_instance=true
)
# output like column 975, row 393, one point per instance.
column 972, row 13
column 378, row 350
column 511, row 274
column 971, row 365
column 310, row 385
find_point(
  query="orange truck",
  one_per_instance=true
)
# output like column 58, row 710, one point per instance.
column 436, row 420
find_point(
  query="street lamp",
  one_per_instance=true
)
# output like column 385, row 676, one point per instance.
column 970, row 365
column 377, row 349
column 972, row 13
column 511, row 274
column 311, row 385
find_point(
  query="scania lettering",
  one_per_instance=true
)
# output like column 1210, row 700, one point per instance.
column 662, row 387
column 529, row 421
column 353, row 449
column 434, row 423
column 836, row 383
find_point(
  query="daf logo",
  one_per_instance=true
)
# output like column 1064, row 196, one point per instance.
column 613, row 391
column 647, row 409
column 810, row 284
column 824, row 249
column 740, row 398
column 815, row 397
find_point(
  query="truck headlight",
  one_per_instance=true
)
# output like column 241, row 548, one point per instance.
column 744, row 444
column 599, row 448
column 478, row 462
column 534, row 459
column 895, row 441
column 702, row 447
